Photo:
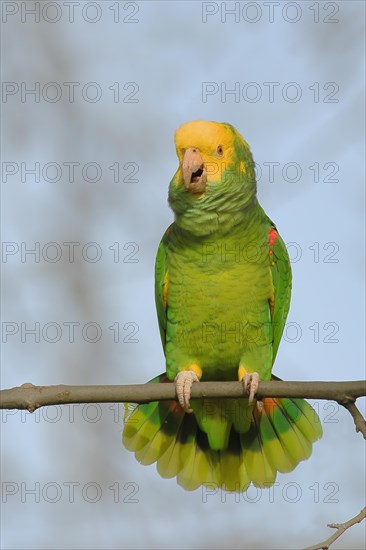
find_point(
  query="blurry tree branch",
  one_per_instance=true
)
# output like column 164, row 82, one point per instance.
column 32, row 397
column 341, row 528
column 359, row 420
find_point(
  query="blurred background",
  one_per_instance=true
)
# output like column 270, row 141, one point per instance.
column 92, row 94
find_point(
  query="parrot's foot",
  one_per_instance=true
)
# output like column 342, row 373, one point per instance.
column 260, row 406
column 250, row 381
column 183, row 384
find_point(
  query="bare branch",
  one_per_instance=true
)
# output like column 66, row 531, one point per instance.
column 341, row 528
column 32, row 397
column 359, row 420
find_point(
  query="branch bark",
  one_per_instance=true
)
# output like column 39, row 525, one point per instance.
column 341, row 528
column 360, row 422
column 32, row 397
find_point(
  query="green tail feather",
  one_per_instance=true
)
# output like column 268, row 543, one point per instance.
column 242, row 452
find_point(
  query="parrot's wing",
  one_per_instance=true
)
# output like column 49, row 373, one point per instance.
column 161, row 284
column 282, row 282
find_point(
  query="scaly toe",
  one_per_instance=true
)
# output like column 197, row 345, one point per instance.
column 183, row 385
column 251, row 381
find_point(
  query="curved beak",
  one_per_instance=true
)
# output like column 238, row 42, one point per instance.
column 194, row 171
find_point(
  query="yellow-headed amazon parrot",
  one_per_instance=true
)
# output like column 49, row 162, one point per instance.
column 222, row 289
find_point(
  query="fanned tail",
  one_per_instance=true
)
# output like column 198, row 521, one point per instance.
column 277, row 439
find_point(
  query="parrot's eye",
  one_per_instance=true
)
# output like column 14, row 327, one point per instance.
column 219, row 151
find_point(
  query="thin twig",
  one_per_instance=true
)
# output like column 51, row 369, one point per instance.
column 359, row 420
column 32, row 397
column 341, row 528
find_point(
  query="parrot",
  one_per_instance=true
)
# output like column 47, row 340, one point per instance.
column 222, row 291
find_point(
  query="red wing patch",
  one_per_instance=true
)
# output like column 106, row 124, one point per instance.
column 269, row 404
column 272, row 237
column 271, row 241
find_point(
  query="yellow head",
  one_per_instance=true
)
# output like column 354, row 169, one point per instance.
column 215, row 179
column 205, row 150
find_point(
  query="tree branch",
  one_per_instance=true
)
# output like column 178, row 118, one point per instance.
column 32, row 397
column 359, row 420
column 341, row 528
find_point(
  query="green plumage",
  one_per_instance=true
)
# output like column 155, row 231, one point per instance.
column 277, row 439
column 222, row 288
